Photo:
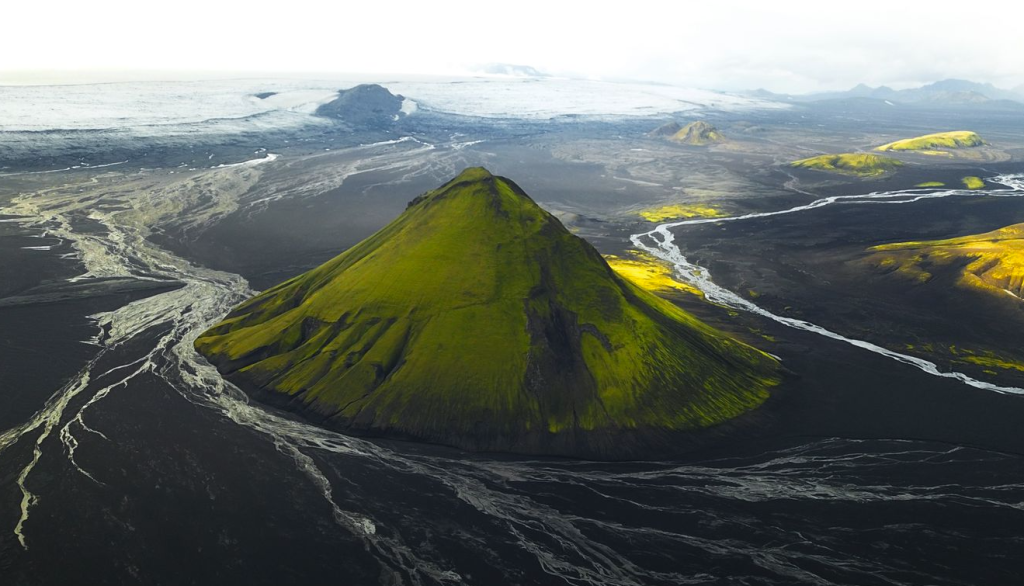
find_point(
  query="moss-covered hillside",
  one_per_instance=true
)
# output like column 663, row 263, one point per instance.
column 992, row 263
column 861, row 164
column 476, row 319
column 956, row 139
column 698, row 133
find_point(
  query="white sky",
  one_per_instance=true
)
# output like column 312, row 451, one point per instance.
column 782, row 45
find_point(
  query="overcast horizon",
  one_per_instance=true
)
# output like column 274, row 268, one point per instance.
column 787, row 47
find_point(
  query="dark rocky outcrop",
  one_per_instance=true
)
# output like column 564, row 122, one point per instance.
column 364, row 107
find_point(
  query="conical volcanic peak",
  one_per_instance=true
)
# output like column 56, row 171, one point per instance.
column 472, row 180
column 476, row 319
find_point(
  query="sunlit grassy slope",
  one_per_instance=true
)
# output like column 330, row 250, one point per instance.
column 681, row 211
column 861, row 164
column 649, row 273
column 973, row 182
column 475, row 318
column 992, row 263
column 940, row 140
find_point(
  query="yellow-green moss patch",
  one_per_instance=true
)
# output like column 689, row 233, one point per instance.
column 859, row 164
column 928, row 143
column 973, row 182
column 996, row 362
column 992, row 263
column 649, row 273
column 681, row 211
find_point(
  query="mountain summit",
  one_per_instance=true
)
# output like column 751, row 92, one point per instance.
column 476, row 319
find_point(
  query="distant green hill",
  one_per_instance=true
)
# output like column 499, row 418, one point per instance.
column 940, row 140
column 697, row 133
column 992, row 263
column 861, row 164
column 476, row 319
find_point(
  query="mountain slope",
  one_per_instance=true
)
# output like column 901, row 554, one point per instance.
column 992, row 263
column 948, row 93
column 697, row 133
column 860, row 164
column 665, row 130
column 476, row 319
column 364, row 107
column 956, row 139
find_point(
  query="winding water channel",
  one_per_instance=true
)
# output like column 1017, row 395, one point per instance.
column 784, row 515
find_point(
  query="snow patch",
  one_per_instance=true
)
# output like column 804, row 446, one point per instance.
column 409, row 107
column 304, row 101
column 250, row 163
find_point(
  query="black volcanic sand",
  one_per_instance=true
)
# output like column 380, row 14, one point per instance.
column 840, row 390
column 810, row 265
column 800, row 265
column 171, row 509
column 188, row 496
column 806, row 265
column 293, row 236
column 43, row 343
column 23, row 268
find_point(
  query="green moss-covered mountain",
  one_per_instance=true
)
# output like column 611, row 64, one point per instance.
column 957, row 139
column 476, row 319
column 697, row 133
column 860, row 164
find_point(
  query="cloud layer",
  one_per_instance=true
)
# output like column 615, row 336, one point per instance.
column 792, row 46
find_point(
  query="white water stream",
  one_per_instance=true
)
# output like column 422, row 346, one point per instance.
column 565, row 546
column 661, row 242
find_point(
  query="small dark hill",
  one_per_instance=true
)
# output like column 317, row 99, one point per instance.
column 365, row 107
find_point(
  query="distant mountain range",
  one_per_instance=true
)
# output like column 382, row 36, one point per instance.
column 509, row 69
column 945, row 92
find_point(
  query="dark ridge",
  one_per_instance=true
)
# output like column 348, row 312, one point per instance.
column 364, row 107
